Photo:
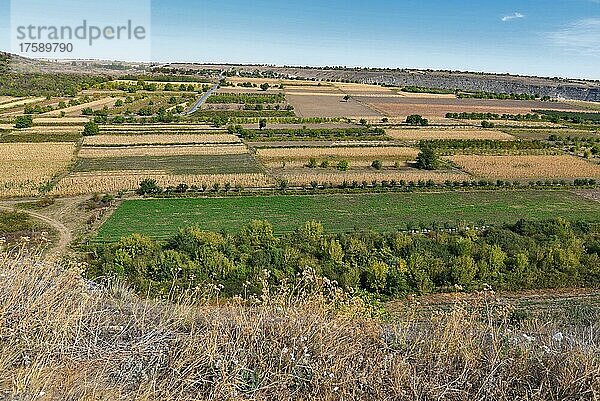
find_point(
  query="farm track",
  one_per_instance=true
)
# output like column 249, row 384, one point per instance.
column 64, row 233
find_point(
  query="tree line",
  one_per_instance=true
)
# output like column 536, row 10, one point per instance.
column 525, row 255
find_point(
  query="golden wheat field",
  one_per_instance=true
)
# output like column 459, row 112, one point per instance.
column 60, row 120
column 26, row 166
column 21, row 102
column 171, row 150
column 300, row 163
column 151, row 139
column 85, row 183
column 303, row 177
column 527, row 167
column 417, row 134
column 349, row 152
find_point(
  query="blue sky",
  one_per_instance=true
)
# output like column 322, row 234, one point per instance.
column 549, row 38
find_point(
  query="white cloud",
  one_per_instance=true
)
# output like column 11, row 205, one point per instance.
column 510, row 17
column 582, row 37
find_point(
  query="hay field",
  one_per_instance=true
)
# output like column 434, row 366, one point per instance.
column 527, row 167
column 304, row 177
column 417, row 134
column 26, row 166
column 349, row 152
column 170, row 150
column 151, row 139
column 90, row 182
column 60, row 120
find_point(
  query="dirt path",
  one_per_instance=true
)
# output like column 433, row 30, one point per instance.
column 64, row 233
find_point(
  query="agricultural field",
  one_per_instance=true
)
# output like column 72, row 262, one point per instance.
column 161, row 218
column 527, row 167
column 27, row 167
column 417, row 134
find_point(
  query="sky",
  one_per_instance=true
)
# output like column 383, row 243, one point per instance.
column 545, row 38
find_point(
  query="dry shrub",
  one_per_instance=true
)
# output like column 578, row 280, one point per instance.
column 65, row 338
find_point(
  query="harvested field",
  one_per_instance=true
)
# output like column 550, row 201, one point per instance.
column 21, row 102
column 389, row 162
column 438, row 107
column 527, row 167
column 417, row 134
column 76, row 110
column 24, row 167
column 151, row 139
column 305, row 177
column 311, row 105
column 153, row 128
column 60, row 120
column 349, row 152
column 171, row 150
column 181, row 164
column 111, row 182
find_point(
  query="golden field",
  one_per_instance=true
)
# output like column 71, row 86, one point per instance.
column 348, row 152
column 26, row 166
column 151, row 139
column 527, row 167
column 106, row 182
column 304, row 177
column 417, row 134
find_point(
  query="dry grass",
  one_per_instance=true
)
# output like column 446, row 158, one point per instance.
column 151, row 139
column 527, row 167
column 170, row 150
column 60, row 120
column 347, row 152
column 306, row 176
column 111, row 182
column 66, row 339
column 418, row 134
column 26, row 166
column 21, row 102
column 75, row 110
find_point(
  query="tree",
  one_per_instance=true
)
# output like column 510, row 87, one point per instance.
column 90, row 128
column 265, row 86
column 262, row 123
column 416, row 119
column 428, row 159
column 346, row 98
column 23, row 122
column 343, row 165
column 148, row 186
column 377, row 164
column 487, row 124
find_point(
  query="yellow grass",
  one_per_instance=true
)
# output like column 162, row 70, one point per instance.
column 527, row 167
column 305, row 177
column 349, row 152
column 172, row 150
column 85, row 183
column 21, row 102
column 428, row 133
column 25, row 166
column 150, row 139
column 161, row 127
column 96, row 104
column 60, row 120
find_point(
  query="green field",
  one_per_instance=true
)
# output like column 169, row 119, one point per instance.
column 190, row 164
column 160, row 218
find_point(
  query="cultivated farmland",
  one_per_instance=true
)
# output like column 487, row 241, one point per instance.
column 342, row 213
column 527, row 167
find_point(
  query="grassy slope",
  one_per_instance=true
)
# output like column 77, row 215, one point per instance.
column 162, row 217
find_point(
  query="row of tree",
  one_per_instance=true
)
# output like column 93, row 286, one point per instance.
column 525, row 255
